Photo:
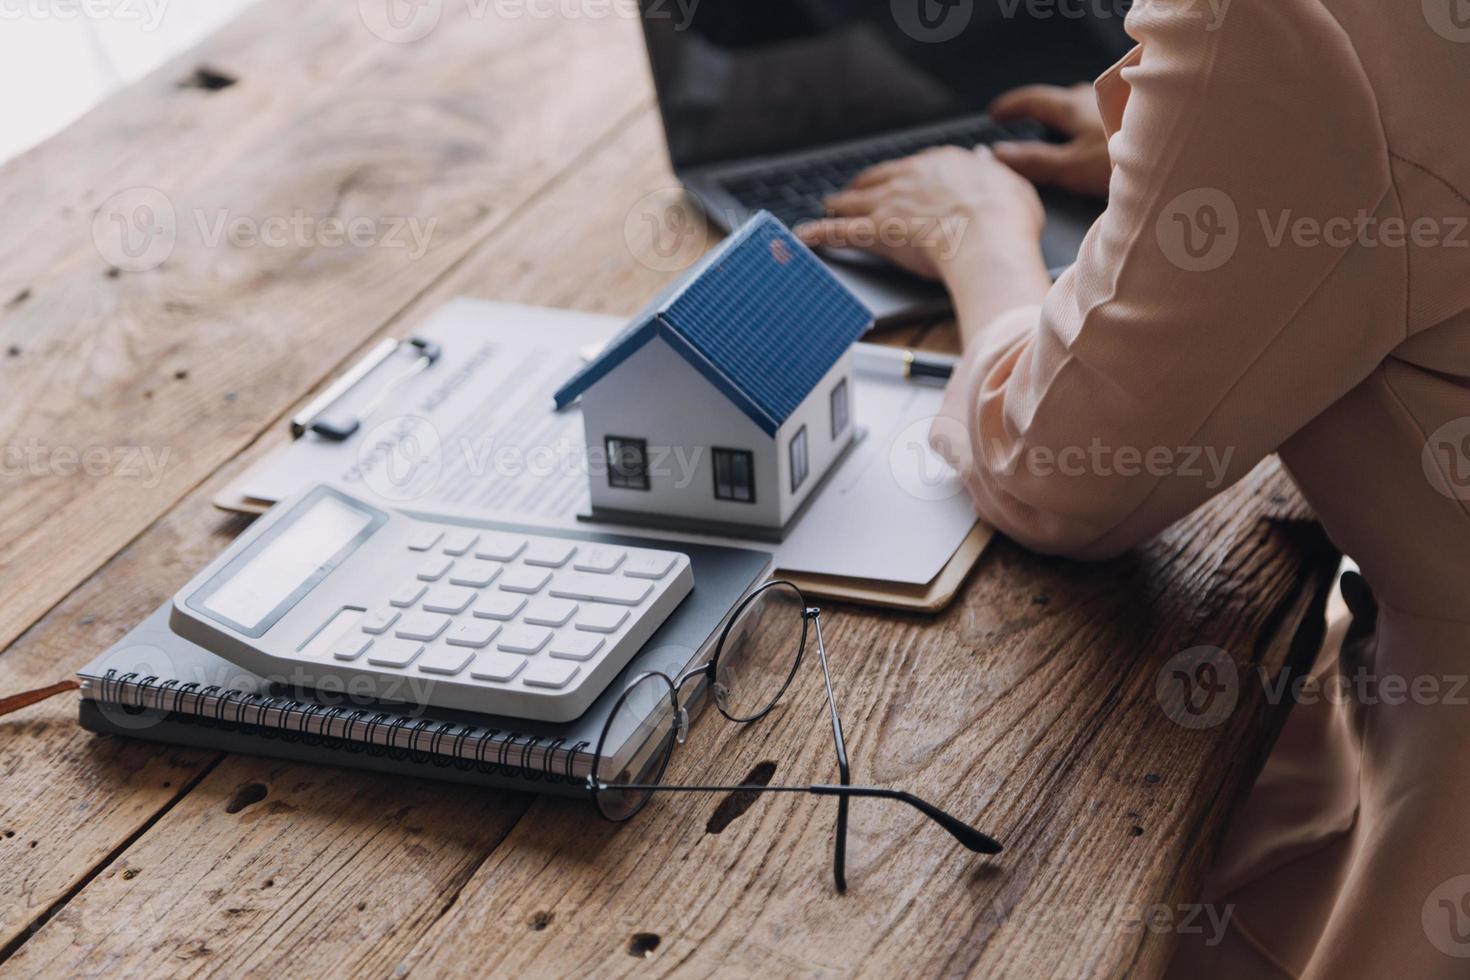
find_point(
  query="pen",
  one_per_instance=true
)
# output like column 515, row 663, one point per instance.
column 904, row 363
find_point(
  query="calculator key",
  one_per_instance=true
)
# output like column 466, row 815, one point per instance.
column 499, row 547
column 599, row 559
column 472, row 633
column 652, row 565
column 442, row 660
column 601, row 588
column 550, row 554
column 421, row 626
column 550, row 673
column 525, row 580
column 577, row 646
column 523, row 639
column 477, row 574
column 499, row 605
column 457, row 543
column 602, row 619
column 551, row 612
column 496, row 666
column 394, row 653
column 411, row 593
column 379, row 621
column 352, row 647
column 449, row 599
column 433, row 569
column 424, row 538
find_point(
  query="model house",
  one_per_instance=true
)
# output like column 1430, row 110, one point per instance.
column 725, row 403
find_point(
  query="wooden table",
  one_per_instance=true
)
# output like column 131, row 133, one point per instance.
column 1029, row 707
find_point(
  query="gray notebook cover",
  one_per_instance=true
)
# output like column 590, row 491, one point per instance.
column 154, row 685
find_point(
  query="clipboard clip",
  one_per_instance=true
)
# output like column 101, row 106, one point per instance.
column 311, row 418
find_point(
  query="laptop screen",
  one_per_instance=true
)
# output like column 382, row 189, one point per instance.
column 744, row 78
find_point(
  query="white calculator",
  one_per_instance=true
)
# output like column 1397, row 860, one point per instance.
column 330, row 593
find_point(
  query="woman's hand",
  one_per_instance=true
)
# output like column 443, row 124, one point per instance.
column 1080, row 165
column 926, row 212
column 952, row 214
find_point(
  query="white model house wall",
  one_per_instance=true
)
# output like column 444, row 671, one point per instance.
column 657, row 396
column 815, row 413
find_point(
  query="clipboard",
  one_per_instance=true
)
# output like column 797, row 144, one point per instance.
column 440, row 348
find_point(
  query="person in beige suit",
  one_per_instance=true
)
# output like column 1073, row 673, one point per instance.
column 1283, row 267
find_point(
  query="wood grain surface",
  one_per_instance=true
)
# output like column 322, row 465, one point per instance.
column 1032, row 707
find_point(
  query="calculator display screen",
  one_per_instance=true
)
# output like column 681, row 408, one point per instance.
column 286, row 562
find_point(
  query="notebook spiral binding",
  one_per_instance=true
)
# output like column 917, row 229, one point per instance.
column 419, row 740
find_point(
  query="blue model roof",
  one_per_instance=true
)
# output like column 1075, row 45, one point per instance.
column 761, row 317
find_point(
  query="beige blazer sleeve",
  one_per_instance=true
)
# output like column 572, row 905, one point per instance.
column 1204, row 321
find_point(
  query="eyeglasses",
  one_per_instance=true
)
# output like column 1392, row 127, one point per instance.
column 759, row 652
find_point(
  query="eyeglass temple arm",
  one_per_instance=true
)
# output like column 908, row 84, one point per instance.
column 971, row 838
column 842, row 767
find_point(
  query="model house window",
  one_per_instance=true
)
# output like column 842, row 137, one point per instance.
column 839, row 408
column 800, row 466
column 627, row 463
column 735, row 475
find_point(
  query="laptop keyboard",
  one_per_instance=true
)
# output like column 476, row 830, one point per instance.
column 794, row 191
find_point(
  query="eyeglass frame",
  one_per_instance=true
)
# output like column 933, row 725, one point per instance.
column 968, row 836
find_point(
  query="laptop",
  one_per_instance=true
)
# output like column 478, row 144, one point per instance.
column 774, row 104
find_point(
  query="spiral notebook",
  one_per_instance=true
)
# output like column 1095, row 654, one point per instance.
column 154, row 685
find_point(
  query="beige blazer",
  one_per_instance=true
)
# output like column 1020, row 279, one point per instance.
column 1284, row 267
